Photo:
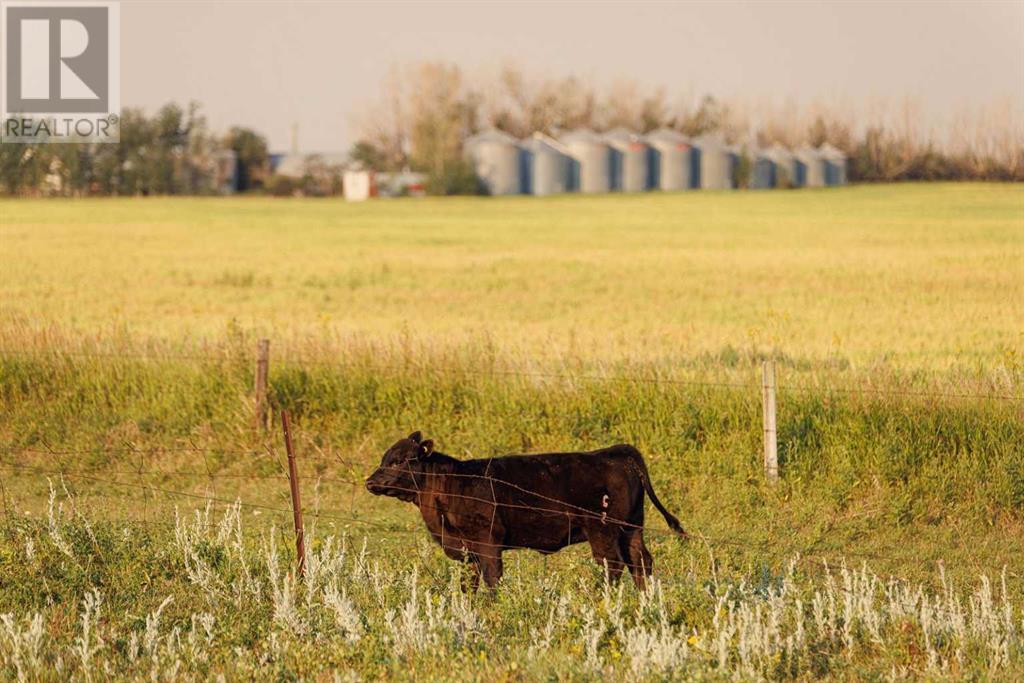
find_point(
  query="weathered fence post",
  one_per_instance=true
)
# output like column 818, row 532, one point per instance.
column 7, row 510
column 293, row 480
column 260, row 385
column 771, row 446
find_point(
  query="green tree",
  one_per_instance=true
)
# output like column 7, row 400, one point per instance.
column 706, row 119
column 368, row 155
column 164, row 162
column 439, row 117
column 457, row 176
column 250, row 149
column 75, row 164
column 122, row 167
column 11, row 157
column 743, row 171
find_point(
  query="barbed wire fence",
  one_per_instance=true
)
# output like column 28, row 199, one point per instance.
column 808, row 556
column 261, row 362
column 286, row 467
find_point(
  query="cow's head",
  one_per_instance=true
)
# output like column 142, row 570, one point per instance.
column 394, row 477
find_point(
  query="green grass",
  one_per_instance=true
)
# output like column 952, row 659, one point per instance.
column 127, row 335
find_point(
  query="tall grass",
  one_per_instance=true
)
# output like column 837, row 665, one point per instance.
column 954, row 444
column 908, row 468
column 209, row 599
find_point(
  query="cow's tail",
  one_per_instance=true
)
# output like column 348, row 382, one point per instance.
column 645, row 479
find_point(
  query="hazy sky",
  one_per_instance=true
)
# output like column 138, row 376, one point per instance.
column 269, row 64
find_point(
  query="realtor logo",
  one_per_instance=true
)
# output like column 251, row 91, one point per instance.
column 61, row 71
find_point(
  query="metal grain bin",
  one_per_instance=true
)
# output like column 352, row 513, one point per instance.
column 592, row 157
column 672, row 161
column 786, row 172
column 763, row 171
column 835, row 164
column 717, row 163
column 630, row 161
column 813, row 167
column 496, row 158
column 545, row 166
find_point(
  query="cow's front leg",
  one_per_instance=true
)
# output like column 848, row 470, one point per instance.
column 491, row 566
column 470, row 582
column 470, row 579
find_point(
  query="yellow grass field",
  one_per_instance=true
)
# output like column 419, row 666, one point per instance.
column 916, row 276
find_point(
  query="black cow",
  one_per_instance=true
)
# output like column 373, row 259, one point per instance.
column 475, row 509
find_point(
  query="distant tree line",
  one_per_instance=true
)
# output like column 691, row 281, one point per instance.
column 170, row 152
column 425, row 112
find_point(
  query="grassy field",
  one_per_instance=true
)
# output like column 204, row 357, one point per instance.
column 890, row 548
column 923, row 276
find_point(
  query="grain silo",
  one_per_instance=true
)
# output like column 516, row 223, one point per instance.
column 675, row 163
column 496, row 158
column 787, row 172
column 835, row 164
column 717, row 163
column 545, row 166
column 763, row 170
column 592, row 157
column 813, row 167
column 630, row 161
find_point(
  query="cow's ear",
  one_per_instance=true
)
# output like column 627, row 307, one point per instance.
column 426, row 448
column 415, row 437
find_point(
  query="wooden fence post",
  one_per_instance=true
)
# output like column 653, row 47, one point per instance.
column 293, row 480
column 771, row 446
column 261, row 417
column 7, row 511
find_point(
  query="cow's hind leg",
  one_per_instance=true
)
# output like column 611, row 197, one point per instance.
column 641, row 563
column 604, row 546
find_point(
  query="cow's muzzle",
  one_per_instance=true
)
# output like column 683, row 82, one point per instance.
column 391, row 491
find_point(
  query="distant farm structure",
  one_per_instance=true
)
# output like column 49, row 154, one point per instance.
column 624, row 161
column 580, row 161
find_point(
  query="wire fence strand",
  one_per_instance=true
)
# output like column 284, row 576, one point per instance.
column 515, row 496
column 307, row 361
column 485, row 549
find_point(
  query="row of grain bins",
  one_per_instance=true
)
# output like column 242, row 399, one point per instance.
column 623, row 161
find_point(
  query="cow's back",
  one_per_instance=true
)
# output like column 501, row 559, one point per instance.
column 562, row 482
